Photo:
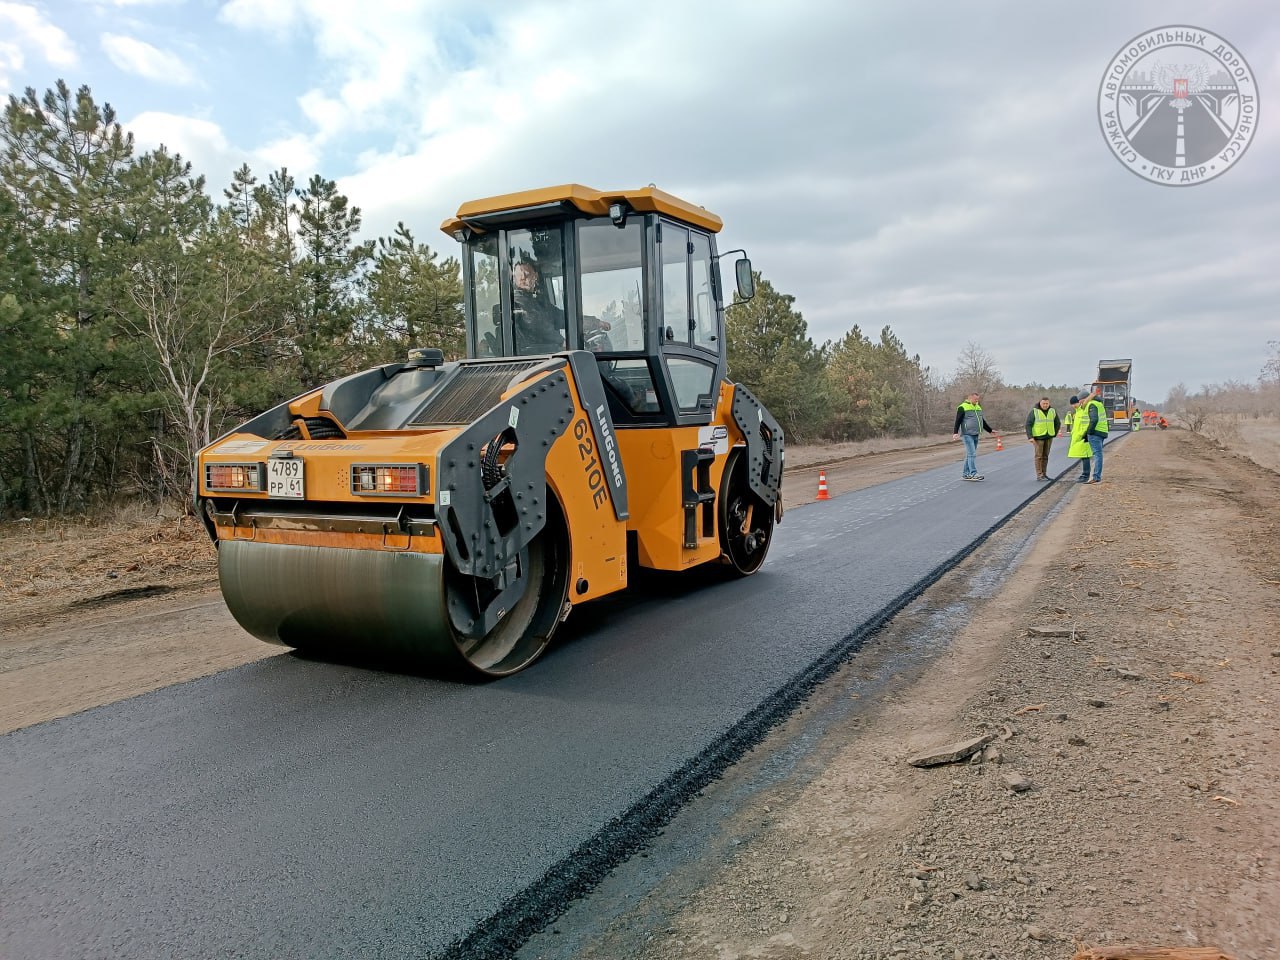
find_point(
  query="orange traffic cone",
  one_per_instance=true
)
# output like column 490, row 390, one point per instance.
column 822, row 486
column 999, row 443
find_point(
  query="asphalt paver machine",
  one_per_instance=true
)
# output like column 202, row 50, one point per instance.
column 1115, row 388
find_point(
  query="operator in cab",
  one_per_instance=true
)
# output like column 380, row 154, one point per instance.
column 539, row 323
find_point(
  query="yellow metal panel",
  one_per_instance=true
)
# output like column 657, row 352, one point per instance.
column 591, row 202
column 327, row 463
column 652, row 461
column 597, row 538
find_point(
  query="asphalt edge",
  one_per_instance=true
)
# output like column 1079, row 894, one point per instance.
column 502, row 933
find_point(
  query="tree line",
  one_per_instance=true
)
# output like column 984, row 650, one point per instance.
column 1218, row 409
column 140, row 317
column 862, row 386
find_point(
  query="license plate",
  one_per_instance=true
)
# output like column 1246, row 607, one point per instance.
column 284, row 478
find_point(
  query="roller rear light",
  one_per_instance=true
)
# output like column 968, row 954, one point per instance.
column 390, row 479
column 235, row 476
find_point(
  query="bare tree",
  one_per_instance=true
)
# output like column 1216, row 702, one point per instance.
column 197, row 309
column 976, row 370
column 1271, row 369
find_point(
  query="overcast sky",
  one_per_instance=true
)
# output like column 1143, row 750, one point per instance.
column 937, row 167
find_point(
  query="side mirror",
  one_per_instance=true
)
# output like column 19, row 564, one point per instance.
column 746, row 282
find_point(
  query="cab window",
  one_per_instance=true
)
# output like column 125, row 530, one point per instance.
column 629, row 383
column 485, row 296
column 675, row 283
column 537, row 263
column 705, row 333
column 692, row 381
column 611, row 262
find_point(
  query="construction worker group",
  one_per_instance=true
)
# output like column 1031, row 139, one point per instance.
column 1087, row 424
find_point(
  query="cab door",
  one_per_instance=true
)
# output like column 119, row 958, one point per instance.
column 690, row 323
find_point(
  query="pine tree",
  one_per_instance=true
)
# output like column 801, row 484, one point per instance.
column 416, row 300
column 770, row 352
column 242, row 201
column 329, row 272
column 63, row 160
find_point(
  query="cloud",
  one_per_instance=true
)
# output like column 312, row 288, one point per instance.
column 297, row 153
column 141, row 58
column 944, row 175
column 206, row 145
column 25, row 29
column 274, row 16
column 202, row 142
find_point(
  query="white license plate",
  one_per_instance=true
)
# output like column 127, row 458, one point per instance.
column 285, row 478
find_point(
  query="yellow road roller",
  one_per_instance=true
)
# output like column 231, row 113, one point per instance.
column 448, row 516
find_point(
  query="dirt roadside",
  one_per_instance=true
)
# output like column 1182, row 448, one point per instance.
column 1130, row 795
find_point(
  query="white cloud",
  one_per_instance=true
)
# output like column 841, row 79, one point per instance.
column 25, row 29
column 141, row 58
column 202, row 142
column 274, row 16
column 297, row 153
column 205, row 144
column 10, row 59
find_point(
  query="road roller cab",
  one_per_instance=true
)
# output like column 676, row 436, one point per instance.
column 449, row 515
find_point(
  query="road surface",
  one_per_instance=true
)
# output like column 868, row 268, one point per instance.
column 289, row 808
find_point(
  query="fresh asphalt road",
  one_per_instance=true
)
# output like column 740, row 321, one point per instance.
column 290, row 808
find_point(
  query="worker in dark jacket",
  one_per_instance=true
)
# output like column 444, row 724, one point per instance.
column 1042, row 426
column 969, row 425
column 539, row 323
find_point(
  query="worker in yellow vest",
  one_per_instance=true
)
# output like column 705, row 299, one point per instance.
column 1135, row 418
column 1079, row 448
column 1042, row 426
column 1096, row 427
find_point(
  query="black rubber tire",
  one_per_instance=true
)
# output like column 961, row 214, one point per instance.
column 743, row 553
column 524, row 634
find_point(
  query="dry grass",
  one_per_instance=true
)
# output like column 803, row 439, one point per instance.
column 1151, row 953
column 51, row 563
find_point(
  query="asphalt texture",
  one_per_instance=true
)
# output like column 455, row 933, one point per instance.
column 292, row 808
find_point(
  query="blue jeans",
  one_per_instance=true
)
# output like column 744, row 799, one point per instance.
column 1095, row 446
column 970, row 455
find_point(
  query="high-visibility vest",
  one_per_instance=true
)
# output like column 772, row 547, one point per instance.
column 1103, row 426
column 1043, row 425
column 972, row 418
column 1069, row 419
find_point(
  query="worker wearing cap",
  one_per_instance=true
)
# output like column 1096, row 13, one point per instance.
column 1097, row 425
column 1079, row 449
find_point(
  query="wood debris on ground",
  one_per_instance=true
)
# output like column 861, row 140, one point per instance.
column 1151, row 953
